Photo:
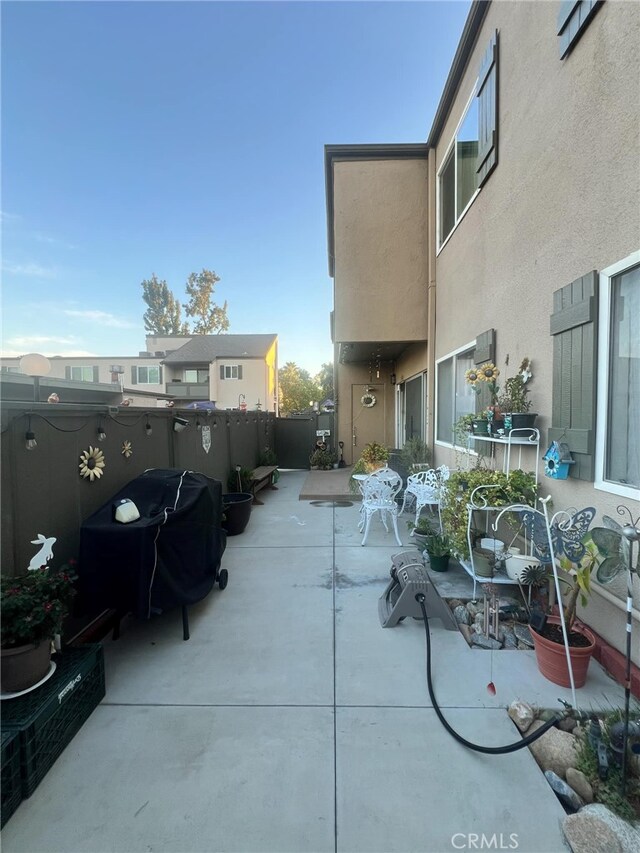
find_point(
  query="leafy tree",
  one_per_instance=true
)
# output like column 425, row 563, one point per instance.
column 164, row 313
column 297, row 388
column 324, row 379
column 210, row 317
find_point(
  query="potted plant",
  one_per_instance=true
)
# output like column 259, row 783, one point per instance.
column 321, row 459
column 486, row 376
column 420, row 532
column 34, row 607
column 374, row 456
column 514, row 404
column 268, row 457
column 438, row 548
column 414, row 454
column 238, row 500
column 547, row 636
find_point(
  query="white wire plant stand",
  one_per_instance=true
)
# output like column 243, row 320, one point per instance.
column 523, row 437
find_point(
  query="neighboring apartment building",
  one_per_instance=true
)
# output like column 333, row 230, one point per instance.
column 514, row 231
column 228, row 370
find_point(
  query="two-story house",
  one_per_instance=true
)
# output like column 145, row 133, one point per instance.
column 513, row 232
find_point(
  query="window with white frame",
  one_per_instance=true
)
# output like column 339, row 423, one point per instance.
column 147, row 375
column 81, row 373
column 457, row 176
column 454, row 397
column 230, row 371
column 618, row 417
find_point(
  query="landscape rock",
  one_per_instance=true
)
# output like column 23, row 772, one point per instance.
column 483, row 642
column 523, row 647
column 466, row 632
column 475, row 607
column 461, row 615
column 510, row 641
column 454, row 602
column 546, row 714
column 522, row 714
column 479, row 621
column 563, row 792
column 555, row 750
column 595, row 829
column 580, row 784
column 523, row 634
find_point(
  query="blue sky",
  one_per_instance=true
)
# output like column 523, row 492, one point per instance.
column 167, row 137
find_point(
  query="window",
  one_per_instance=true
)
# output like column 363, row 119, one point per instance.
column 6, row 369
column 82, row 374
column 230, row 371
column 473, row 153
column 618, row 437
column 193, row 375
column 573, row 18
column 457, row 179
column 454, row 397
column 147, row 375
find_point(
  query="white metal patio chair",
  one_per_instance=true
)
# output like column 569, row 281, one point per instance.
column 425, row 488
column 379, row 492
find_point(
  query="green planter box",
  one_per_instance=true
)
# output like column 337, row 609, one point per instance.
column 47, row 719
column 11, row 781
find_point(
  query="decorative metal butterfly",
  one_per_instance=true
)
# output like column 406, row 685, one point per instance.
column 566, row 536
column 613, row 546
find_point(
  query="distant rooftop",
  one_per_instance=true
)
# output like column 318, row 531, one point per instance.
column 206, row 348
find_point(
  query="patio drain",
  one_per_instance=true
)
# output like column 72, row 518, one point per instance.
column 338, row 504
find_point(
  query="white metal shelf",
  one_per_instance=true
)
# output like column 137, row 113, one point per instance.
column 531, row 439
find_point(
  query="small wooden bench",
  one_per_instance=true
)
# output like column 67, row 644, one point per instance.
column 262, row 476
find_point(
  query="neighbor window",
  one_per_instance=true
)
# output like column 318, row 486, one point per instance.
column 151, row 375
column 81, row 374
column 230, row 371
column 193, row 375
column 618, row 465
column 454, row 397
column 458, row 178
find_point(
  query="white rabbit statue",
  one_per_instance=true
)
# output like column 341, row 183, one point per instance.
column 44, row 554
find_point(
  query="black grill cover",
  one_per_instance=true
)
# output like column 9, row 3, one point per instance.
column 170, row 556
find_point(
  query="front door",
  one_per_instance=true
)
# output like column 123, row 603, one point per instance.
column 367, row 421
column 414, row 408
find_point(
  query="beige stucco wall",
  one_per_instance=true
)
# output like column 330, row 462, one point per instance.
column 412, row 361
column 349, row 375
column 254, row 384
column 563, row 200
column 380, row 250
column 103, row 363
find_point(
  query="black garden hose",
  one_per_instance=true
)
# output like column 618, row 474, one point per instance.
column 489, row 750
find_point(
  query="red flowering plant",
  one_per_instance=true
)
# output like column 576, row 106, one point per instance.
column 35, row 605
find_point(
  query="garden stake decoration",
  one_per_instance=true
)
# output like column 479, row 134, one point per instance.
column 615, row 543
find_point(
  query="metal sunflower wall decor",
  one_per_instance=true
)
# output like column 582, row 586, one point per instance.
column 368, row 400
column 91, row 464
column 127, row 450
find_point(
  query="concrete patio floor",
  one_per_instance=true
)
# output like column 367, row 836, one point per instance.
column 291, row 721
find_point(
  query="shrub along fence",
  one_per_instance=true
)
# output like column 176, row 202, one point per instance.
column 43, row 492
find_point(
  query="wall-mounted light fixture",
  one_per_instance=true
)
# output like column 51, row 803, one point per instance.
column 147, row 427
column 180, row 424
column 101, row 433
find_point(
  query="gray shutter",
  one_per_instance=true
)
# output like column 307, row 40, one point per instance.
column 67, row 372
column 222, row 371
column 574, row 326
column 488, row 112
column 96, row 374
column 160, row 374
column 239, row 371
column 573, row 17
column 134, row 375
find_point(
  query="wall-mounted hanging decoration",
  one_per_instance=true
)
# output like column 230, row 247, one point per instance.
column 368, row 400
column 206, row 438
column 39, row 560
column 91, row 464
column 127, row 450
column 557, row 461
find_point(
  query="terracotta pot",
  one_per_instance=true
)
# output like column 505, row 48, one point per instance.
column 552, row 659
column 24, row 666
